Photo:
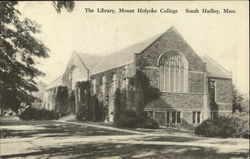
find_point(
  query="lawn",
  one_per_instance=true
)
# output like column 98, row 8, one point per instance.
column 118, row 151
column 54, row 139
column 13, row 127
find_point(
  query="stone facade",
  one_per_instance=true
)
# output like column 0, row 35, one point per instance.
column 173, row 108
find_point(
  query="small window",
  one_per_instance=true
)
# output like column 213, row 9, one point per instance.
column 173, row 117
column 196, row 117
column 168, row 118
column 178, row 117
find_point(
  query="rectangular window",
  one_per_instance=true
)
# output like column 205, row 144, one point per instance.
column 168, row 118
column 178, row 117
column 79, row 95
column 196, row 117
column 173, row 117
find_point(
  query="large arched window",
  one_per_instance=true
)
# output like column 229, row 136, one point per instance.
column 172, row 72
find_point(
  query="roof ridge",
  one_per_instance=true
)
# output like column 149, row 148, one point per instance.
column 79, row 52
column 81, row 60
column 55, row 79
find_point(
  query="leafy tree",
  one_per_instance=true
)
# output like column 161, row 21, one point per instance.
column 19, row 52
column 237, row 100
column 68, row 5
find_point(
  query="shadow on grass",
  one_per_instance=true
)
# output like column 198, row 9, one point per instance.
column 169, row 138
column 50, row 129
column 110, row 150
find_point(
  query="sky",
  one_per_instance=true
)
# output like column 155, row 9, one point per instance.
column 223, row 37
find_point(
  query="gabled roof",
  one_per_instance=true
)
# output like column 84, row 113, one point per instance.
column 57, row 82
column 214, row 69
column 117, row 58
column 89, row 60
column 97, row 64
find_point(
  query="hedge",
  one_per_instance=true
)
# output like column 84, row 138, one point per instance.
column 37, row 114
column 129, row 119
column 236, row 125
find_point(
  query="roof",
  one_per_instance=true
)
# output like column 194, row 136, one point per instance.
column 89, row 60
column 118, row 58
column 214, row 69
column 57, row 82
column 96, row 64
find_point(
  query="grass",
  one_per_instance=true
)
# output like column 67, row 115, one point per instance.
column 43, row 132
column 110, row 150
column 17, row 128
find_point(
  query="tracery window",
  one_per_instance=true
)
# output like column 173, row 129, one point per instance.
column 172, row 72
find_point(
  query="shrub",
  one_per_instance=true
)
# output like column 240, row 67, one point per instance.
column 128, row 119
column 225, row 126
column 150, row 124
column 37, row 114
column 80, row 116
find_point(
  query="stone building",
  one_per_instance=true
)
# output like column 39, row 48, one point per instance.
column 192, row 88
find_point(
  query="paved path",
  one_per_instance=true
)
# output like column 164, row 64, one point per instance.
column 105, row 127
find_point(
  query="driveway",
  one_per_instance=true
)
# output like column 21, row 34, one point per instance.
column 59, row 139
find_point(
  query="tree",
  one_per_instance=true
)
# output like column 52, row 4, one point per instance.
column 68, row 5
column 19, row 52
column 237, row 100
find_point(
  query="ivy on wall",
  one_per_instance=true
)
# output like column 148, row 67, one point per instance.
column 89, row 107
column 61, row 100
column 136, row 96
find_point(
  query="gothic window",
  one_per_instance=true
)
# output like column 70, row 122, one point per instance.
column 94, row 86
column 125, row 80
column 74, row 77
column 114, row 82
column 103, row 89
column 172, row 72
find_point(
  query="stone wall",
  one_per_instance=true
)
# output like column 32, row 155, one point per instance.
column 123, row 73
column 223, row 95
column 183, row 101
column 170, row 41
column 196, row 82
